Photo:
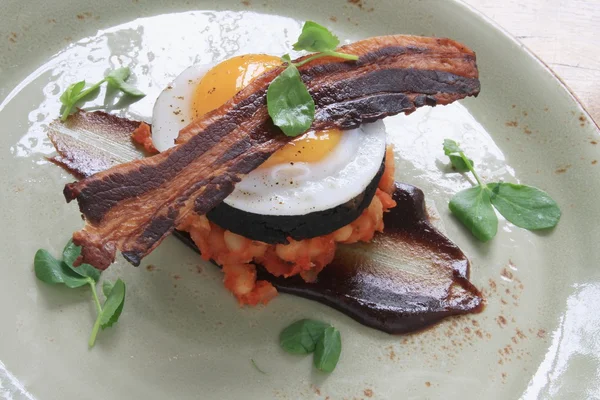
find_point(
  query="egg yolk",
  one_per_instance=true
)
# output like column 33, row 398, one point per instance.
column 226, row 79
column 312, row 146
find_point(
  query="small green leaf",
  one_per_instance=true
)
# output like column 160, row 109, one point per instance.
column 119, row 73
column 117, row 79
column 70, row 97
column 125, row 87
column 88, row 94
column 289, row 104
column 301, row 337
column 451, row 147
column 70, row 254
column 525, row 206
column 73, row 280
column 49, row 270
column 131, row 90
column 75, row 94
column 107, row 287
column 316, row 38
column 474, row 209
column 459, row 164
column 71, row 93
column 286, row 58
column 113, row 306
column 328, row 350
column 110, row 312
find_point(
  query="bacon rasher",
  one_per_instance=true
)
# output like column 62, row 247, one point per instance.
column 134, row 206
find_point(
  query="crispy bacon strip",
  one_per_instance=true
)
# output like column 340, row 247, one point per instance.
column 134, row 206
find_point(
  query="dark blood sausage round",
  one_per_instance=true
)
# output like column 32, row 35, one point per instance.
column 275, row 229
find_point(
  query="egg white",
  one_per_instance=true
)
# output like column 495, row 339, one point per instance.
column 295, row 188
column 173, row 108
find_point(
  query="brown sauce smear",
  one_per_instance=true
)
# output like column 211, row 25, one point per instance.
column 406, row 279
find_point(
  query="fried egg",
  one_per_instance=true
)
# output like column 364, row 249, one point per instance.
column 316, row 171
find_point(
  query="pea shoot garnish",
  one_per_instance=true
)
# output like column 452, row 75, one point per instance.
column 525, row 206
column 76, row 93
column 50, row 270
column 289, row 103
column 310, row 336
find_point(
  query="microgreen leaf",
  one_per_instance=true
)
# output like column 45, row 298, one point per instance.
column 289, row 104
column 473, row 208
column 316, row 38
column 455, row 153
column 49, row 270
column 119, row 73
column 110, row 312
column 451, row 147
column 130, row 89
column 113, row 306
column 68, row 96
column 525, row 206
column 459, row 164
column 301, row 337
column 117, row 79
column 70, row 254
column 75, row 93
column 107, row 287
column 328, row 350
column 286, row 58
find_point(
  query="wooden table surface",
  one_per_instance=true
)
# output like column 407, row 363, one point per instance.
column 565, row 34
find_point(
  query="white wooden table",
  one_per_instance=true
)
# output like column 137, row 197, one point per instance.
column 565, row 34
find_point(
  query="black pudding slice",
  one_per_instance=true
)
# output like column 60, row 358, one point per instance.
column 275, row 229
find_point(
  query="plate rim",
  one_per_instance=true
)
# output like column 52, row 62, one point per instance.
column 574, row 97
column 491, row 24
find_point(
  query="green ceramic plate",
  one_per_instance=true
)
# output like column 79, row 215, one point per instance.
column 182, row 335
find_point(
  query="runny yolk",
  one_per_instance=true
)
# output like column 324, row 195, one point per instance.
column 226, row 79
column 310, row 147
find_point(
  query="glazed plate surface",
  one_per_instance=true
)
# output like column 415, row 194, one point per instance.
column 182, row 335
